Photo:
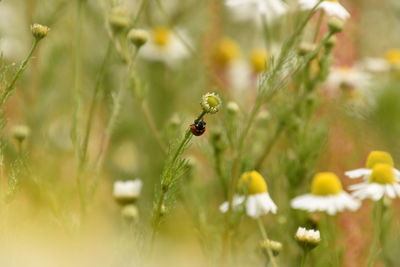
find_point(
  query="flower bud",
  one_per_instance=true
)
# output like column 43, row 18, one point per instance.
column 274, row 246
column 39, row 31
column 305, row 48
column 210, row 103
column 138, row 37
column 20, row 132
column 330, row 43
column 232, row 108
column 127, row 192
column 307, row 239
column 119, row 19
column 130, row 212
column 335, row 25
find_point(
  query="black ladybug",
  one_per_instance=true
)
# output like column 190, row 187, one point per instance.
column 198, row 127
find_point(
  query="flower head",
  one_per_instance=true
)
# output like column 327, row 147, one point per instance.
column 119, row 19
column 39, row 31
column 126, row 192
column 382, row 182
column 331, row 7
column 211, row 103
column 307, row 239
column 130, row 212
column 254, row 10
column 258, row 59
column 392, row 56
column 327, row 195
column 225, row 52
column 256, row 198
column 274, row 246
column 374, row 158
column 21, row 132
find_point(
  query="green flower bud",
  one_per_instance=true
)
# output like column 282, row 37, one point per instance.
column 39, row 31
column 335, row 25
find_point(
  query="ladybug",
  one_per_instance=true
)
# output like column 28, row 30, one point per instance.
column 198, row 127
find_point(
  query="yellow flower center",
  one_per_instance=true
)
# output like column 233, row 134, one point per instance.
column 326, row 183
column 258, row 58
column 161, row 36
column 382, row 174
column 393, row 56
column 212, row 101
column 226, row 51
column 253, row 182
column 376, row 157
column 332, row 0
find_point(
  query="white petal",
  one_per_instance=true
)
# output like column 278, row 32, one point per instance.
column 358, row 173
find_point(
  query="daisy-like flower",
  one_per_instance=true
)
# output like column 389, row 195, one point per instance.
column 164, row 46
column 257, row 201
column 247, row 9
column 392, row 56
column 374, row 157
column 127, row 192
column 351, row 80
column 331, row 7
column 382, row 182
column 327, row 195
column 210, row 102
column 307, row 238
column 225, row 52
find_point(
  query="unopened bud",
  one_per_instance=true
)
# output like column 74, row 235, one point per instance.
column 119, row 19
column 138, row 37
column 335, row 25
column 20, row 132
column 39, row 31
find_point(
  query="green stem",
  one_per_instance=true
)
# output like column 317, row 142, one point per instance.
column 9, row 89
column 318, row 26
column 304, row 257
column 265, row 237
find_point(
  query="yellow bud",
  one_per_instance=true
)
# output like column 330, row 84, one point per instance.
column 253, row 182
column 376, row 157
column 326, row 183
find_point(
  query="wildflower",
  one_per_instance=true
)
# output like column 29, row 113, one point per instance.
column 305, row 48
column 351, row 80
column 249, row 9
column 275, row 246
column 225, row 52
column 21, row 132
column 165, row 46
column 126, row 192
column 138, row 37
column 382, row 182
column 331, row 7
column 119, row 19
column 211, row 103
column 308, row 239
column 39, row 31
column 392, row 56
column 257, row 200
column 258, row 59
column 327, row 195
column 374, row 157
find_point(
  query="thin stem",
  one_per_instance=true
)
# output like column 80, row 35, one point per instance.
column 153, row 126
column 9, row 89
column 318, row 26
column 265, row 237
column 304, row 257
column 93, row 106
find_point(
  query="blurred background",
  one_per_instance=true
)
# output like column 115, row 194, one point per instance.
column 40, row 225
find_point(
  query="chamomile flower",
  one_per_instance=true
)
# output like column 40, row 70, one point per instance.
column 327, row 195
column 249, row 9
column 258, row 60
column 382, row 182
column 225, row 52
column 331, row 7
column 374, row 157
column 307, row 238
column 257, row 201
column 350, row 80
column 392, row 56
column 126, row 192
column 164, row 46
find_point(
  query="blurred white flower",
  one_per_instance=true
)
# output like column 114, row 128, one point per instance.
column 331, row 7
column 165, row 46
column 382, row 182
column 308, row 238
column 127, row 191
column 352, row 81
column 327, row 195
column 257, row 201
column 374, row 64
column 255, row 9
column 374, row 157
